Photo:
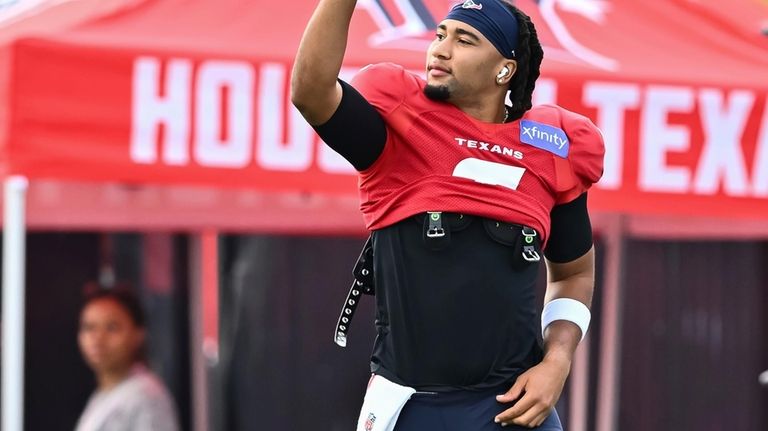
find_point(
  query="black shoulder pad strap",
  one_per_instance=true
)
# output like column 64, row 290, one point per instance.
column 363, row 284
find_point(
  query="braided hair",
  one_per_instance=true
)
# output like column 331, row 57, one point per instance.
column 528, row 55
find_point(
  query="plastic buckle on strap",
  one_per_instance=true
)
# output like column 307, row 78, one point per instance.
column 530, row 234
column 435, row 229
column 530, row 254
column 529, row 248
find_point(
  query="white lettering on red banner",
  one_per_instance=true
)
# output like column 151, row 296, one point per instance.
column 722, row 160
column 760, row 176
column 295, row 152
column 612, row 101
column 227, row 131
column 224, row 114
column 153, row 108
column 545, row 92
column 236, row 115
column 658, row 137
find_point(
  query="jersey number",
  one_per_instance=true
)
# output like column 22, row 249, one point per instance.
column 492, row 173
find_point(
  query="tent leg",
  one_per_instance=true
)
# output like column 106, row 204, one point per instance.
column 578, row 406
column 14, row 233
column 204, row 315
column 609, row 378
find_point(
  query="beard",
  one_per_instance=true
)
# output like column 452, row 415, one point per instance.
column 439, row 93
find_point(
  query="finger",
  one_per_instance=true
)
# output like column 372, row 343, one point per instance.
column 514, row 392
column 541, row 418
column 530, row 417
column 520, row 407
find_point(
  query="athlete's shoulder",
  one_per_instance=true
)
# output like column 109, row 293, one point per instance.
column 579, row 129
column 558, row 116
column 386, row 85
column 573, row 137
column 382, row 70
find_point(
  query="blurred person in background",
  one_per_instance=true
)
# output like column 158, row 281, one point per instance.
column 129, row 397
column 461, row 193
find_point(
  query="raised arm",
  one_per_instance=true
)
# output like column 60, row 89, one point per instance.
column 314, row 87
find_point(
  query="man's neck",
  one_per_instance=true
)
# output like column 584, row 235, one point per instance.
column 488, row 112
column 109, row 379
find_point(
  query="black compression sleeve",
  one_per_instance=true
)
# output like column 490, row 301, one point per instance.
column 571, row 231
column 356, row 130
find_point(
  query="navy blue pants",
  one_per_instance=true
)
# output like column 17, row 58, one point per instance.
column 461, row 411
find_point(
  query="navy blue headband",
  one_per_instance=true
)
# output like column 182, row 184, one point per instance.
column 493, row 19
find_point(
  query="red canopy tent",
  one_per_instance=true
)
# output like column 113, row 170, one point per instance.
column 174, row 114
column 180, row 93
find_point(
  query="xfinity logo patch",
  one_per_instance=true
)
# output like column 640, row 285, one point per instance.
column 548, row 138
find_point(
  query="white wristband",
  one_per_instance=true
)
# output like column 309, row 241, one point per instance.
column 566, row 309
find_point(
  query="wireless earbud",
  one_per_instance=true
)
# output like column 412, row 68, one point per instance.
column 504, row 72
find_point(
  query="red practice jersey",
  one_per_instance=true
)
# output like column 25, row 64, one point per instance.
column 437, row 158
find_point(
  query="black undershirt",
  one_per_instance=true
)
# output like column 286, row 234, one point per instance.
column 571, row 232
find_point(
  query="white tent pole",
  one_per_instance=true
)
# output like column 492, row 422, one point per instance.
column 14, row 232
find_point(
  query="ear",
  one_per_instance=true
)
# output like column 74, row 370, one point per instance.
column 506, row 72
